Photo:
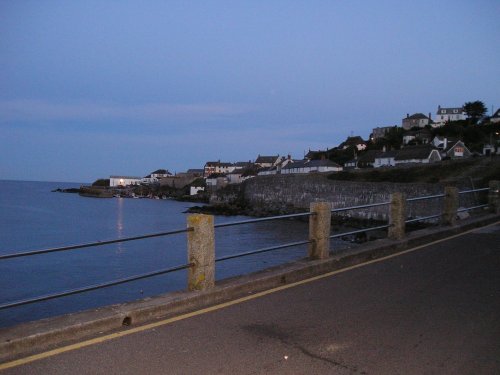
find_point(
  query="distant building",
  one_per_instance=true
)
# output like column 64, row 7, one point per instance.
column 155, row 176
column 267, row 161
column 421, row 136
column 212, row 167
column 444, row 115
column 417, row 120
column 457, row 150
column 311, row 166
column 122, row 181
column 355, row 141
column 381, row 132
column 496, row 116
column 422, row 154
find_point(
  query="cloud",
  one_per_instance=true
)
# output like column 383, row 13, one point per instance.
column 42, row 110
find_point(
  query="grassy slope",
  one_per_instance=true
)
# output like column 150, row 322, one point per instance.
column 481, row 169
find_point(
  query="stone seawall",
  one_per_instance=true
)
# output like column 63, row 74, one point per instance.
column 287, row 193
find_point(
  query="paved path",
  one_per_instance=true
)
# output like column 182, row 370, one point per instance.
column 435, row 310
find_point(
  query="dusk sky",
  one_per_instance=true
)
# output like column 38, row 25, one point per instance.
column 91, row 89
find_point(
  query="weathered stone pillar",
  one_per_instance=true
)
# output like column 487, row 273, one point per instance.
column 450, row 205
column 319, row 230
column 397, row 216
column 201, row 252
column 494, row 197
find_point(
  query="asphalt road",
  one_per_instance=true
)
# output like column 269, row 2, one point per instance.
column 435, row 310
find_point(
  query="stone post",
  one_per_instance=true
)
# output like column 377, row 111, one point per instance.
column 450, row 206
column 319, row 230
column 397, row 216
column 494, row 197
column 201, row 252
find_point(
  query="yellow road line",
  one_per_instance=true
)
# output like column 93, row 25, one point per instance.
column 146, row 327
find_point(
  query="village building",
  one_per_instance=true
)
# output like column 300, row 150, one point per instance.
column 212, row 167
column 417, row 120
column 154, row 177
column 420, row 136
column 267, row 161
column 216, row 181
column 444, row 115
column 311, row 166
column 381, row 132
column 496, row 116
column 422, row 154
column 122, row 181
column 355, row 141
column 457, row 150
column 385, row 159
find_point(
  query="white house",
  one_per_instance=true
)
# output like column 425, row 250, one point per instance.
column 443, row 115
column 156, row 176
column 385, row 159
column 311, row 166
column 122, row 181
column 267, row 161
column 193, row 190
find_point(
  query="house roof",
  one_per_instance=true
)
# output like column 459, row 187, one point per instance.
column 126, row 177
column 161, row 171
column 496, row 114
column 417, row 116
column 387, row 154
column 452, row 144
column 218, row 164
column 449, row 111
column 295, row 164
column 193, row 171
column 322, row 163
column 266, row 159
column 415, row 152
column 369, row 156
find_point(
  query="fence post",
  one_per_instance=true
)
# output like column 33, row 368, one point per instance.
column 450, row 205
column 494, row 197
column 201, row 252
column 319, row 230
column 397, row 217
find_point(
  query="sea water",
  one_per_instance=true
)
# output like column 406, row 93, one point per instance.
column 33, row 217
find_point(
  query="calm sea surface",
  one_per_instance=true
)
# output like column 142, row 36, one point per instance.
column 32, row 217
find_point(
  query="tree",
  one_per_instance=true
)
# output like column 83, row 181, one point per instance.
column 475, row 110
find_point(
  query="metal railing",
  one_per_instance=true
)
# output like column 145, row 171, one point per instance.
column 220, row 259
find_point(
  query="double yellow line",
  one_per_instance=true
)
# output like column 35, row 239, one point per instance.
column 146, row 327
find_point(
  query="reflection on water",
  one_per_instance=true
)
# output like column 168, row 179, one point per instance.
column 119, row 223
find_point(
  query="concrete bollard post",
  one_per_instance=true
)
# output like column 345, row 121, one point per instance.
column 201, row 252
column 450, row 205
column 319, row 230
column 494, row 197
column 397, row 217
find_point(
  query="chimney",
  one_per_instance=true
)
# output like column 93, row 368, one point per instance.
column 407, row 115
column 430, row 116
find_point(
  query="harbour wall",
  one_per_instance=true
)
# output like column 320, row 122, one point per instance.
column 290, row 193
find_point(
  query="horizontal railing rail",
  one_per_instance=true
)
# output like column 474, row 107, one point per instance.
column 94, row 287
column 262, row 219
column 92, row 244
column 263, row 250
column 314, row 241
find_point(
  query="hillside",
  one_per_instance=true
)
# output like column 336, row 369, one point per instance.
column 481, row 170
